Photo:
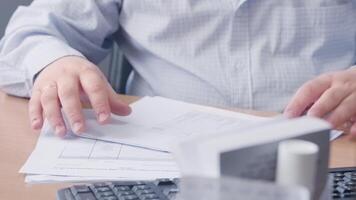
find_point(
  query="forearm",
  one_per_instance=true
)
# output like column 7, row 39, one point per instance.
column 48, row 30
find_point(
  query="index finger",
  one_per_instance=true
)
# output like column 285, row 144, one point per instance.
column 307, row 95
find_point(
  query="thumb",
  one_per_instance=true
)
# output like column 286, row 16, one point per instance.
column 117, row 106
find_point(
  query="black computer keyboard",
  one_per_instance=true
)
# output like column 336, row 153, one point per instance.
column 343, row 179
column 161, row 189
column 344, row 183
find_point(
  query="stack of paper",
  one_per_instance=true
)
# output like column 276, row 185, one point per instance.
column 135, row 147
column 76, row 159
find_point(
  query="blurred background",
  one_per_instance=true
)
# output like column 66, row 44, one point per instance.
column 7, row 7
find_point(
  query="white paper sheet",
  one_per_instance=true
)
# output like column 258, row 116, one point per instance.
column 39, row 179
column 159, row 123
column 82, row 157
column 334, row 134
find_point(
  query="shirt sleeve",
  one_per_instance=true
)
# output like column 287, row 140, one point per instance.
column 45, row 31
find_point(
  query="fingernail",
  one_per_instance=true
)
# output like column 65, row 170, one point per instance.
column 35, row 123
column 77, row 126
column 288, row 114
column 103, row 117
column 60, row 131
column 127, row 110
column 312, row 113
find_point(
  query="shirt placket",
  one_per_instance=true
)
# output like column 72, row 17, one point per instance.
column 242, row 85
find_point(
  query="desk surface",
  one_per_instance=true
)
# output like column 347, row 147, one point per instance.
column 17, row 141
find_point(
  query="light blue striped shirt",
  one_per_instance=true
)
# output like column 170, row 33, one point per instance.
column 240, row 53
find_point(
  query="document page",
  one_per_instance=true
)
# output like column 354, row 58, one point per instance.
column 158, row 123
column 80, row 157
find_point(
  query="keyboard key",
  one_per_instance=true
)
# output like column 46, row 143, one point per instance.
column 142, row 192
column 122, row 188
column 338, row 179
column 171, row 190
column 338, row 175
column 106, row 194
column 164, row 182
column 351, row 184
column 103, row 189
column 108, row 198
column 350, row 194
column 85, row 196
column 129, row 197
column 79, row 189
column 140, row 187
column 335, row 195
column 67, row 194
column 149, row 197
column 125, row 193
column 103, row 184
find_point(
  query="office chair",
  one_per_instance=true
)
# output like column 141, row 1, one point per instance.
column 118, row 70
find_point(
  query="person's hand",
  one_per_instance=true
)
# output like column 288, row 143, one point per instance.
column 330, row 96
column 63, row 84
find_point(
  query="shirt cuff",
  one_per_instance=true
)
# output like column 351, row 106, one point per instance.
column 42, row 55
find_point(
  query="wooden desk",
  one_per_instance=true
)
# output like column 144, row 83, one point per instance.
column 17, row 141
